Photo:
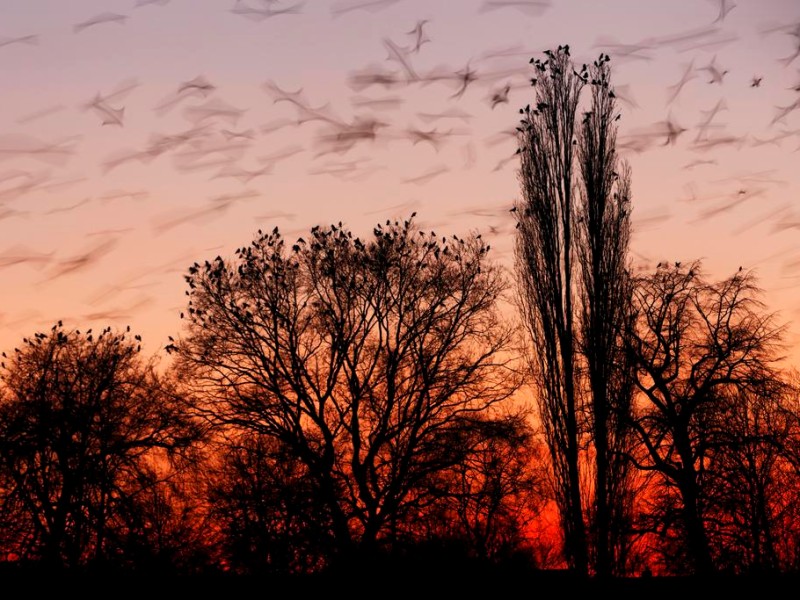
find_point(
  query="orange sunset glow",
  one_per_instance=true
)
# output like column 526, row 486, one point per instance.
column 305, row 286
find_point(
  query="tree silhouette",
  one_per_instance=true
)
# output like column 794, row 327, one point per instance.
column 86, row 428
column 701, row 351
column 573, row 230
column 490, row 500
column 603, row 235
column 545, row 271
column 264, row 504
column 751, row 479
column 365, row 360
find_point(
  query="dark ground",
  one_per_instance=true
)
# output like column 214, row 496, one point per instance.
column 408, row 583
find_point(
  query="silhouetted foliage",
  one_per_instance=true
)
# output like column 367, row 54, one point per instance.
column 87, row 430
column 603, row 232
column 751, row 480
column 348, row 410
column 265, row 506
column 490, row 500
column 544, row 261
column 706, row 374
column 365, row 360
column 573, row 229
column 167, row 529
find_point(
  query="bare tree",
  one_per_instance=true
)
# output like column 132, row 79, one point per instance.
column 544, row 265
column 602, row 240
column 362, row 358
column 786, row 487
column 573, row 230
column 263, row 504
column 86, row 426
column 698, row 347
column 164, row 527
column 491, row 499
column 752, row 478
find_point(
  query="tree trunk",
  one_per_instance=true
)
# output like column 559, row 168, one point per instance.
column 696, row 538
column 602, row 512
column 576, row 546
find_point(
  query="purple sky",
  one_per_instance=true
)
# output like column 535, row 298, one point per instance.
column 138, row 137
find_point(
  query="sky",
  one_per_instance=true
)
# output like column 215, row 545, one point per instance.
column 140, row 136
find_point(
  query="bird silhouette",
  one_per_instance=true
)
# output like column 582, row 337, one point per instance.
column 687, row 76
column 500, row 96
column 530, row 7
column 341, row 8
column 106, row 17
column 714, row 71
column 725, row 6
column 31, row 40
column 418, row 34
column 265, row 12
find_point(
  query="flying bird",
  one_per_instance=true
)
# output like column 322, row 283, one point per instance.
column 675, row 89
column 98, row 20
column 500, row 96
column 347, row 6
column 428, row 175
column 31, row 40
column 716, row 73
column 465, row 76
column 725, row 6
column 267, row 11
column 534, row 8
column 419, row 36
column 673, row 131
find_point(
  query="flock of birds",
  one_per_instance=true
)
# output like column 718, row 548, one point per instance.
column 461, row 117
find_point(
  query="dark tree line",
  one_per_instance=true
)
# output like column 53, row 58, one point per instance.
column 336, row 401
column 354, row 403
column 376, row 364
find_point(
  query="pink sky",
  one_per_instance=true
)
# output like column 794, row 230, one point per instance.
column 102, row 209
